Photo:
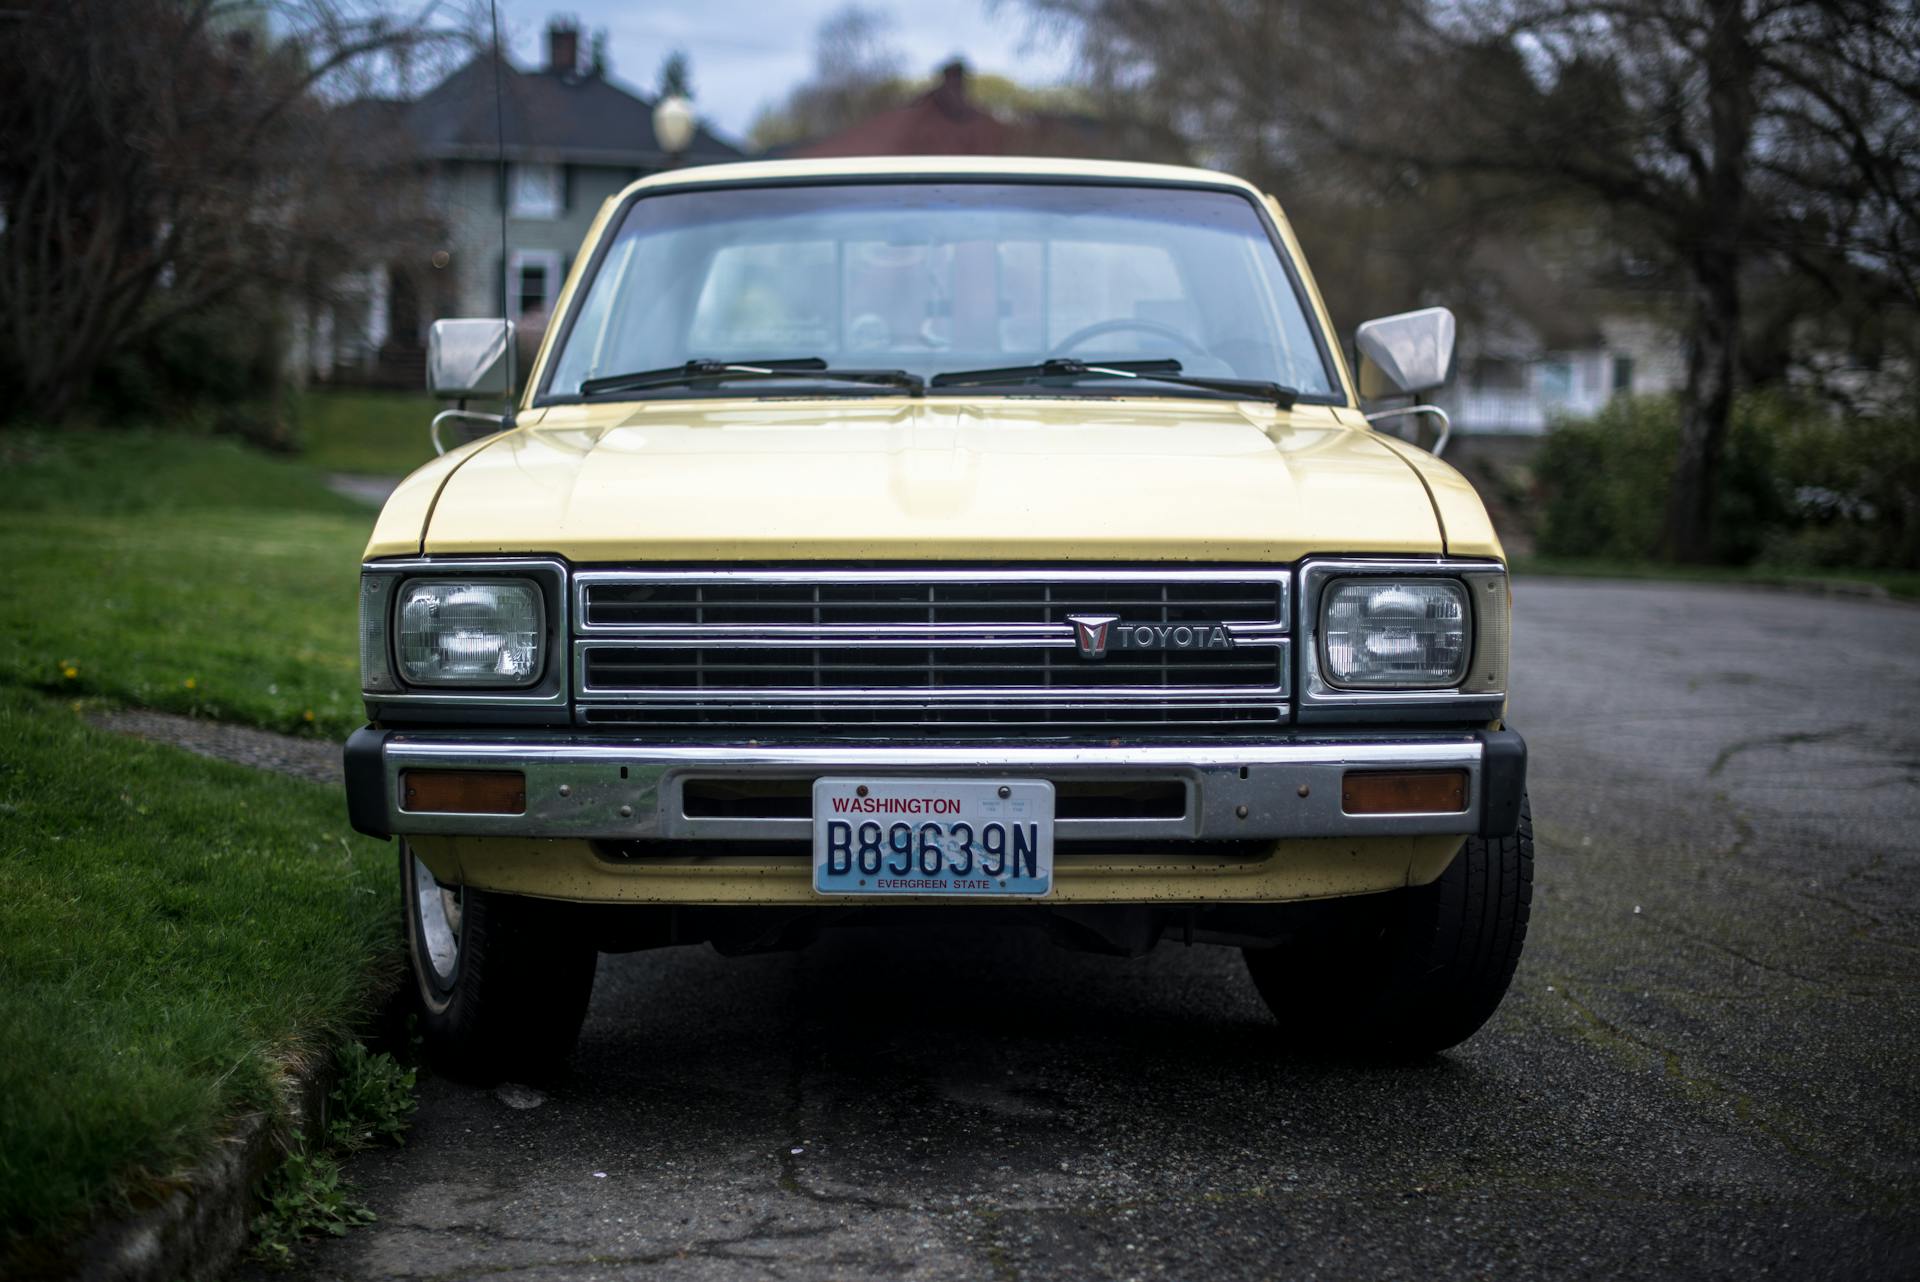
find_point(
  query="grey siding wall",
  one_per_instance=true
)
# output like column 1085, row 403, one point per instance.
column 468, row 193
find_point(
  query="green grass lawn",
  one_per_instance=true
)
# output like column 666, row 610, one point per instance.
column 170, row 928
column 189, row 574
column 1901, row 584
column 375, row 433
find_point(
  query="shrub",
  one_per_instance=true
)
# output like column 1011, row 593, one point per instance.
column 1797, row 486
column 304, row 1197
column 373, row 1100
column 307, row 1195
column 1604, row 481
column 1855, row 495
column 215, row 369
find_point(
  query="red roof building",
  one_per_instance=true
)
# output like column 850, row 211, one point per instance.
column 944, row 121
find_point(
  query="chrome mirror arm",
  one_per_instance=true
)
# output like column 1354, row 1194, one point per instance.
column 500, row 423
column 1446, row 424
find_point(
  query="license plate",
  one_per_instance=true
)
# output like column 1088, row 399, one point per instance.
column 932, row 836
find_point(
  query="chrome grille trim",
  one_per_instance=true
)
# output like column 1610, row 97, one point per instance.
column 1249, row 686
column 933, row 577
column 990, row 719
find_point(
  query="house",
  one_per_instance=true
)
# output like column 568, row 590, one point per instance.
column 573, row 136
column 947, row 121
column 1542, row 341
column 1513, row 380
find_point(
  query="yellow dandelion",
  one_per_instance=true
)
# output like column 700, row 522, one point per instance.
column 190, row 683
column 69, row 672
column 307, row 715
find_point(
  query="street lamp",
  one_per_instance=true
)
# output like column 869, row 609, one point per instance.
column 673, row 125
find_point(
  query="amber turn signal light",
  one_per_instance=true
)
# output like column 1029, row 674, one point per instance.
column 464, row 792
column 1404, row 792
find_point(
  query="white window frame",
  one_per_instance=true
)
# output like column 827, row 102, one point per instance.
column 520, row 259
column 528, row 196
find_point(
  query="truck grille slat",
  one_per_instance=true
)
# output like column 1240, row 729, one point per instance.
column 614, row 605
column 852, row 651
column 842, row 718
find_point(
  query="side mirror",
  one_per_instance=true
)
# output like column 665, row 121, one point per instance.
column 469, row 358
column 1405, row 354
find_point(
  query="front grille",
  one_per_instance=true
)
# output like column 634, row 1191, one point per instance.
column 760, row 604
column 868, row 653
column 888, row 720
column 956, row 668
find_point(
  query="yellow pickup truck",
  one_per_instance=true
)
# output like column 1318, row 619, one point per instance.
column 982, row 539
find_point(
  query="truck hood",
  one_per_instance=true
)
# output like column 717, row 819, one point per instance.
column 993, row 478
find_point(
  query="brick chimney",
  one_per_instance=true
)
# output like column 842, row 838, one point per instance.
column 953, row 82
column 563, row 48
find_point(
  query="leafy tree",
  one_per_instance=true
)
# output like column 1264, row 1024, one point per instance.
column 1729, row 138
column 1744, row 136
column 676, row 75
column 856, row 72
column 162, row 157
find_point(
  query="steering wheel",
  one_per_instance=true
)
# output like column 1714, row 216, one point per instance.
column 1101, row 329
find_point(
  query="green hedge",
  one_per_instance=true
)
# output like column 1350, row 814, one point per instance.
column 1798, row 485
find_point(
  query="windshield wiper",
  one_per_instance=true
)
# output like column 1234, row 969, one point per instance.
column 1157, row 371
column 704, row 371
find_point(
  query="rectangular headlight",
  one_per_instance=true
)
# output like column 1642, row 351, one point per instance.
column 469, row 632
column 1411, row 633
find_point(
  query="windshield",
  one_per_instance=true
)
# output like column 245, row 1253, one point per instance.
column 933, row 278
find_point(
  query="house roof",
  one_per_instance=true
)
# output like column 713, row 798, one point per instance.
column 945, row 121
column 940, row 122
column 544, row 115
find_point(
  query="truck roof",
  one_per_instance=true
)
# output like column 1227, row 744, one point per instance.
column 840, row 167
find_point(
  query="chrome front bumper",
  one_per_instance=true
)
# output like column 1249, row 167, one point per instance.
column 619, row 790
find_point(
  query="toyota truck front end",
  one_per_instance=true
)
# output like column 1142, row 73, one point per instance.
column 1000, row 540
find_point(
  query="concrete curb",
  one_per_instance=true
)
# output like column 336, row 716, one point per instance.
column 198, row 1227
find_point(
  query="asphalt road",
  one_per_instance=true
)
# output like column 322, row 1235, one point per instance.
column 1707, row 1065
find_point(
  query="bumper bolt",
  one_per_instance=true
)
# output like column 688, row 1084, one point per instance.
column 1304, row 790
column 566, row 790
column 1239, row 812
column 626, row 812
column 1005, row 791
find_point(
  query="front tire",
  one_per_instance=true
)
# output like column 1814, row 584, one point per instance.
column 1416, row 971
column 499, row 988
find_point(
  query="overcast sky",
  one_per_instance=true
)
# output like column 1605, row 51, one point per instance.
column 748, row 53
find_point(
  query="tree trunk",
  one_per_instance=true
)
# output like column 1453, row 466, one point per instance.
column 1713, row 341
column 1706, row 410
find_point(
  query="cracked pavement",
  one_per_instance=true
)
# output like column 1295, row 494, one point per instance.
column 1707, row 1065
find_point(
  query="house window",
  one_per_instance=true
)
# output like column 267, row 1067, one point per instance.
column 534, row 191
column 1553, row 381
column 533, row 282
column 1623, row 376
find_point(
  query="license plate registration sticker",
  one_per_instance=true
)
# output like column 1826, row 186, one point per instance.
column 964, row 837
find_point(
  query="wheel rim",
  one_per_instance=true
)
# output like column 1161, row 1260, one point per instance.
column 436, row 918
